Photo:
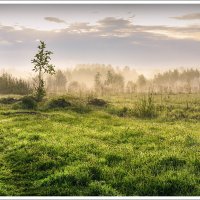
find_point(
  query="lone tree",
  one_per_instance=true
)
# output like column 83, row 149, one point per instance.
column 41, row 65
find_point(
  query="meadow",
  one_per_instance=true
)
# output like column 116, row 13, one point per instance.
column 146, row 145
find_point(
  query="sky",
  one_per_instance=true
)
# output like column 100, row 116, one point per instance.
column 144, row 37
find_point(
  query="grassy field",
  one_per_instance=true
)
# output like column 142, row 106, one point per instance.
column 90, row 150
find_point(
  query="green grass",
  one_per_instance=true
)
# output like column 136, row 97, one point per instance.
column 85, row 150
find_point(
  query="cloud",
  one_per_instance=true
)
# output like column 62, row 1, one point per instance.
column 110, row 40
column 54, row 19
column 110, row 27
column 7, row 28
column 112, row 23
column 83, row 27
column 121, row 27
column 19, row 41
column 186, row 32
column 192, row 16
column 5, row 42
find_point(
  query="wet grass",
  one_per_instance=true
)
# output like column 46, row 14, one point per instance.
column 81, row 151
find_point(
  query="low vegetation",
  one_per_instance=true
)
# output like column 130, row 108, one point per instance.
column 80, row 149
column 58, row 103
column 8, row 100
column 12, row 85
column 97, row 102
column 145, row 107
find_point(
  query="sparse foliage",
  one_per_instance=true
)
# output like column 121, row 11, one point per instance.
column 28, row 102
column 42, row 66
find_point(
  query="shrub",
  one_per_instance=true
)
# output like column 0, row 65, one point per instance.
column 8, row 100
column 145, row 108
column 59, row 103
column 177, row 113
column 81, row 109
column 28, row 102
column 97, row 102
column 123, row 112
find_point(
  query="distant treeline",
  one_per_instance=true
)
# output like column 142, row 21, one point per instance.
column 185, row 81
column 12, row 85
column 97, row 78
column 107, row 80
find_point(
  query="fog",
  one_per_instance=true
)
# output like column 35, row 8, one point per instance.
column 101, row 80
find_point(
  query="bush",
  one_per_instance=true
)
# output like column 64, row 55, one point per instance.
column 81, row 109
column 28, row 102
column 177, row 113
column 123, row 112
column 97, row 102
column 59, row 103
column 8, row 100
column 146, row 108
column 120, row 112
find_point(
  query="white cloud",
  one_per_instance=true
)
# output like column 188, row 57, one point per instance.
column 54, row 19
column 5, row 42
column 192, row 16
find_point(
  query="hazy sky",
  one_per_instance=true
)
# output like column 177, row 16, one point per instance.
column 144, row 37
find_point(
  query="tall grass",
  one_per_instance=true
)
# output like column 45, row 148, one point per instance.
column 145, row 107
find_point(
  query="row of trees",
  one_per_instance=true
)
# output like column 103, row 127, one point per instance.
column 108, row 83
column 187, row 75
column 113, row 82
column 101, row 79
column 83, row 78
column 104, row 79
column 11, row 85
column 176, row 81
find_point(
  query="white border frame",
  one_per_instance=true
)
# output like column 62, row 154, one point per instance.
column 76, row 2
column 100, row 197
column 101, row 2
